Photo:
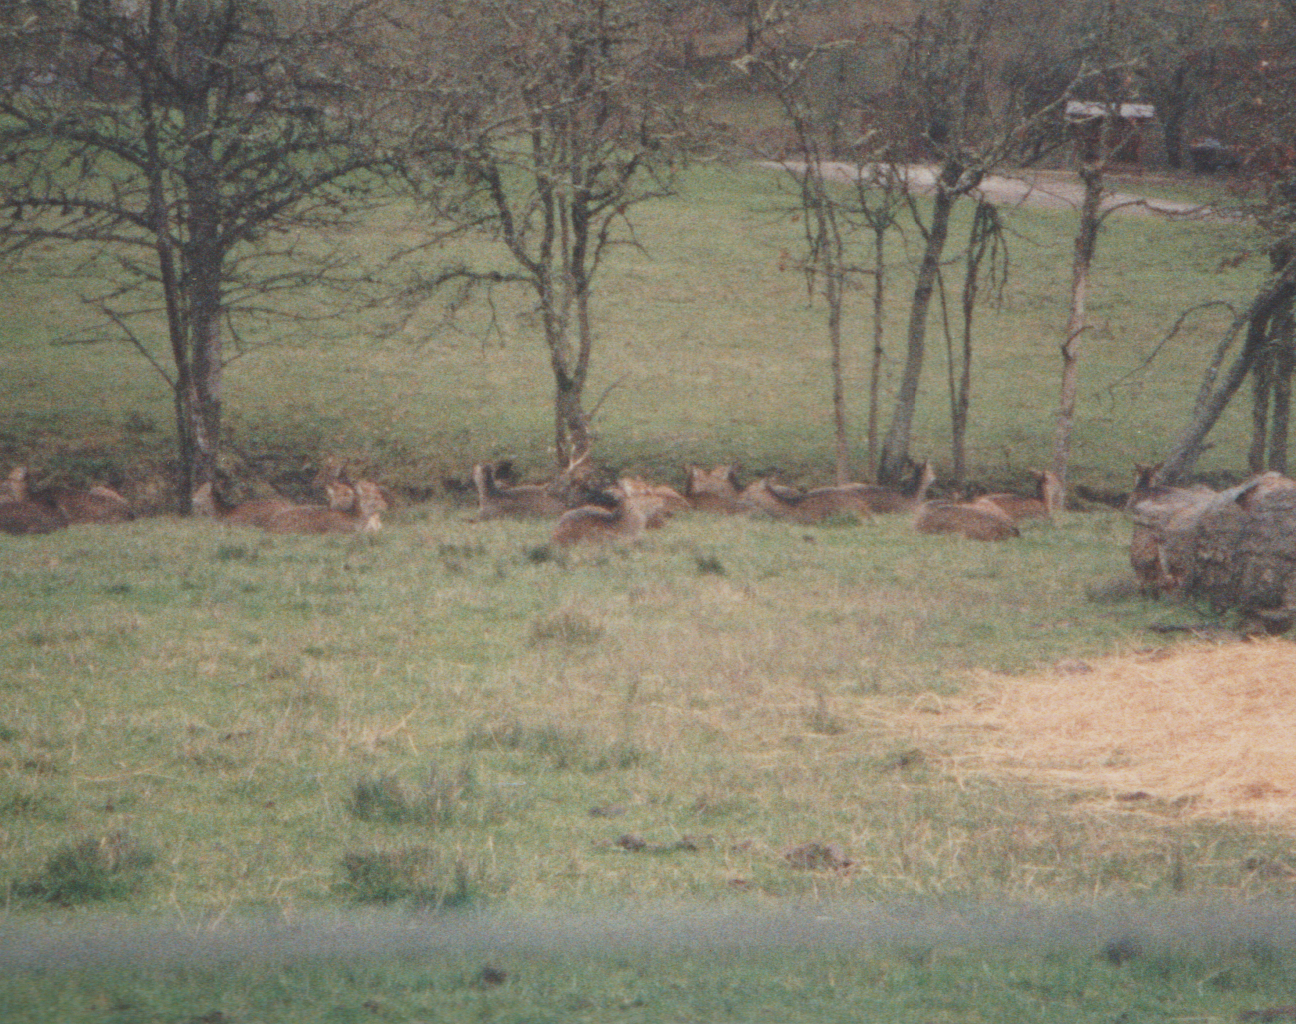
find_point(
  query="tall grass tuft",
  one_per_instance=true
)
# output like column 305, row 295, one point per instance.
column 90, row 870
column 423, row 876
column 559, row 748
column 440, row 801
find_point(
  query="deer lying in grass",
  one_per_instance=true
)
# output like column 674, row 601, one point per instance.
column 967, row 519
column 529, row 501
column 671, row 501
column 258, row 512
column 821, row 503
column 714, row 490
column 888, row 500
column 365, row 501
column 23, row 516
column 1047, row 500
column 342, row 494
column 636, row 503
column 96, row 505
column 805, row 507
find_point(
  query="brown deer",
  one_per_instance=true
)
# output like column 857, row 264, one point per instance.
column 258, row 512
column 1048, row 499
column 816, row 505
column 975, row 522
column 714, row 490
column 27, row 517
column 636, row 503
column 342, row 496
column 671, row 501
column 97, row 505
column 889, row 500
column 367, row 503
column 529, row 501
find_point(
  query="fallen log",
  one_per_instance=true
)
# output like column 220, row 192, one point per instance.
column 1235, row 549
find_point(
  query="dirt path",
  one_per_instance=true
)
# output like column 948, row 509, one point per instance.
column 1056, row 190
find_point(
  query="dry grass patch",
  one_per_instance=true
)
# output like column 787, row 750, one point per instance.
column 1206, row 731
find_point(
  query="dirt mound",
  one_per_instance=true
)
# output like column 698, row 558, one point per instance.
column 1211, row 730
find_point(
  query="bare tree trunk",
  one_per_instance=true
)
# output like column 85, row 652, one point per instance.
column 833, row 293
column 1086, row 243
column 1273, row 301
column 1284, row 367
column 1261, row 391
column 895, row 450
column 875, row 368
column 961, row 392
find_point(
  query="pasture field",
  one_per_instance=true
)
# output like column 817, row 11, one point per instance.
column 212, row 726
column 216, row 730
column 708, row 352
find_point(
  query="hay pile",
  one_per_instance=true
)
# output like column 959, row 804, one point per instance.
column 1211, row 730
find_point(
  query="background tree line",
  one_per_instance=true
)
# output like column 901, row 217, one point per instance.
column 210, row 148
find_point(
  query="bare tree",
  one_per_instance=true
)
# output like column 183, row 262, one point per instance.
column 564, row 123
column 986, row 240
column 1109, row 77
column 184, row 143
column 941, row 91
column 1264, row 327
column 785, row 71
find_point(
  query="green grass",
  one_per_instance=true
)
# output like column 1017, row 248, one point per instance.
column 451, row 717
column 706, row 352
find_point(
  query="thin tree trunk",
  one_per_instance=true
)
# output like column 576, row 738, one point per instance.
column 962, row 396
column 1280, row 426
column 834, row 297
column 1273, row 301
column 1261, row 392
column 875, row 369
column 895, row 450
column 1086, row 243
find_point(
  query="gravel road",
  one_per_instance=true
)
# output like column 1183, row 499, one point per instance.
column 1058, row 190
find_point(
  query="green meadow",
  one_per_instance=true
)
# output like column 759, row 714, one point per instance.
column 571, row 765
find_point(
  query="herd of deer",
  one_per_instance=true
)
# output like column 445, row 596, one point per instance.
column 583, row 512
column 632, row 505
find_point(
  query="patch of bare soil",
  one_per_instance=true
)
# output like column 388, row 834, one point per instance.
column 1209, row 729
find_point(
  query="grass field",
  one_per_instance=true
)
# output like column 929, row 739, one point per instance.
column 709, row 351
column 451, row 725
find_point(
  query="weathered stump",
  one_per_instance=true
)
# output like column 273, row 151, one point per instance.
column 1236, row 550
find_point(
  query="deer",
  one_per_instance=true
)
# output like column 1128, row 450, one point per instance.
column 527, row 501
column 891, row 501
column 24, row 516
column 1048, row 498
column 207, row 502
column 714, row 490
column 967, row 519
column 671, row 501
column 816, row 505
column 342, row 496
column 97, row 505
column 636, row 503
column 367, row 503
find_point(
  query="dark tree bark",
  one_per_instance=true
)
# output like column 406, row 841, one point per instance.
column 1273, row 302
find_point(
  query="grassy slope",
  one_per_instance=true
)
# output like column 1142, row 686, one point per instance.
column 709, row 350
